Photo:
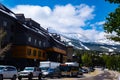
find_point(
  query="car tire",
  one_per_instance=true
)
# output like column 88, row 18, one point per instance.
column 19, row 78
column 1, row 77
column 14, row 77
column 59, row 76
column 30, row 76
column 39, row 76
column 70, row 75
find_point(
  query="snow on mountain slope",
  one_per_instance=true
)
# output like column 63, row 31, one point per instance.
column 80, row 41
column 110, row 46
column 84, row 46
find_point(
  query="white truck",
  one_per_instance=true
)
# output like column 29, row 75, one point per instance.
column 72, row 64
column 45, row 65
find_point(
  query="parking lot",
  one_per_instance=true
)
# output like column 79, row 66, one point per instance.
column 50, row 79
column 96, row 72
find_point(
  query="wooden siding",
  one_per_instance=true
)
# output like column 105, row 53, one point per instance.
column 55, row 49
column 22, row 52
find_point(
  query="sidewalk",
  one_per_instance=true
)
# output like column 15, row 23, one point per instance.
column 96, row 72
column 115, row 74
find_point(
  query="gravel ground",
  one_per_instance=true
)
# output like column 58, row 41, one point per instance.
column 115, row 74
column 98, row 71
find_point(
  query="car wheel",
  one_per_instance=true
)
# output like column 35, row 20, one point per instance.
column 39, row 76
column 1, row 77
column 14, row 77
column 51, row 76
column 30, row 76
column 19, row 77
column 59, row 76
column 71, row 74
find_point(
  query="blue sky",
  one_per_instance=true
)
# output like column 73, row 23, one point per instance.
column 79, row 16
column 102, row 8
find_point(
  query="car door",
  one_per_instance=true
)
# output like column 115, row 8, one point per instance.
column 36, row 72
column 58, row 73
column 6, row 72
column 10, row 72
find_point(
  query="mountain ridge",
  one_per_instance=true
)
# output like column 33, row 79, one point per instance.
column 81, row 42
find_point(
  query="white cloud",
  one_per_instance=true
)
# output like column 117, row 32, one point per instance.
column 60, row 18
column 67, row 18
column 93, row 35
column 97, row 25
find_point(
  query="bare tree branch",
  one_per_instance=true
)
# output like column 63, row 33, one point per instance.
column 6, row 48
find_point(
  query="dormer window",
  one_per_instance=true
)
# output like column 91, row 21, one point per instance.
column 39, row 43
column 29, row 39
column 44, row 44
column 35, row 41
column 4, row 23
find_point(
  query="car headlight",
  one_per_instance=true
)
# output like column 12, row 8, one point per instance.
column 45, row 73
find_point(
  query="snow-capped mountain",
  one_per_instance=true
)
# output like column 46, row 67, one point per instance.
column 83, row 38
column 80, row 41
column 97, row 46
column 91, row 45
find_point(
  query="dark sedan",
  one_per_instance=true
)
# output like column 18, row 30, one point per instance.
column 55, row 72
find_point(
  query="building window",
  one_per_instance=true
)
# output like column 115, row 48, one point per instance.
column 44, row 44
column 35, row 41
column 34, row 52
column 4, row 23
column 39, row 54
column 29, row 52
column 30, row 24
column 29, row 39
column 39, row 43
column 44, row 55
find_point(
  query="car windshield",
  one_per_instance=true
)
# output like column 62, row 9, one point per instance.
column 29, row 69
column 50, row 70
column 1, row 67
column 44, row 68
column 64, row 68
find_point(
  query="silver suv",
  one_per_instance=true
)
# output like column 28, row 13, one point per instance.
column 8, row 72
column 30, row 72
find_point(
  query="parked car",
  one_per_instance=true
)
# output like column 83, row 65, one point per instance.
column 52, row 72
column 8, row 72
column 84, row 70
column 30, row 72
column 80, row 72
column 91, row 69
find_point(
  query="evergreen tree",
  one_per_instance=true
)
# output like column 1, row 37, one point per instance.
column 114, row 1
column 112, row 25
column 87, row 60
